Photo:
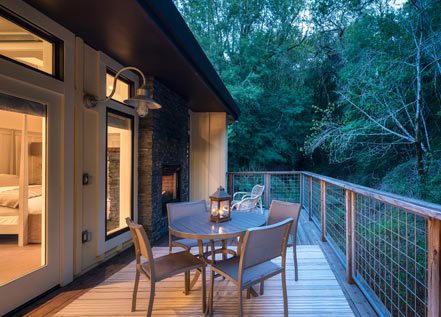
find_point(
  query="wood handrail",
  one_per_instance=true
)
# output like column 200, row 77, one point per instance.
column 419, row 207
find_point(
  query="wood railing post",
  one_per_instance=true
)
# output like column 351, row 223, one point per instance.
column 267, row 182
column 323, row 209
column 349, row 235
column 310, row 198
column 231, row 183
column 301, row 188
column 434, row 249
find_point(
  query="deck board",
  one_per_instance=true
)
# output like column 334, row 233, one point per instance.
column 317, row 293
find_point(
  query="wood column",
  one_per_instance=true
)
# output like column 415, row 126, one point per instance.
column 434, row 249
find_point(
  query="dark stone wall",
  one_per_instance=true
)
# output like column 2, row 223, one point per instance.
column 113, row 166
column 163, row 140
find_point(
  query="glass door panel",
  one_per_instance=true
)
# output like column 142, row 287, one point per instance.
column 119, row 171
column 22, row 191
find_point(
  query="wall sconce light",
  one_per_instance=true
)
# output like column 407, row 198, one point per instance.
column 142, row 101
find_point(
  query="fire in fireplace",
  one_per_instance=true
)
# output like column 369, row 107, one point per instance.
column 170, row 186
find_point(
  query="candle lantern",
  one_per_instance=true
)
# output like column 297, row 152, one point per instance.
column 220, row 203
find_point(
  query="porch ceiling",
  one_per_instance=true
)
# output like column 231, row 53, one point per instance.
column 151, row 35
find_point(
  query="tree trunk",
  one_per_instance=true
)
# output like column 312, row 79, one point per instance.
column 419, row 155
column 418, row 112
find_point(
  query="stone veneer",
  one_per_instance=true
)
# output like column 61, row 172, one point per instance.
column 163, row 140
column 112, row 204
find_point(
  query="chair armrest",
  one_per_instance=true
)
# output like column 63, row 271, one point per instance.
column 240, row 193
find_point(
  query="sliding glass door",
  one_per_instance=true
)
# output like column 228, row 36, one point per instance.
column 30, row 188
column 22, row 187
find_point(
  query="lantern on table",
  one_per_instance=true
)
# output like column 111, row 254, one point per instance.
column 220, row 206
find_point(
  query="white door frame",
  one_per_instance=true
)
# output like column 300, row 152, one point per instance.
column 58, row 95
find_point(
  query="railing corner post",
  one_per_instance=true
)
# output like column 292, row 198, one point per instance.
column 323, row 210
column 350, row 216
column 434, row 264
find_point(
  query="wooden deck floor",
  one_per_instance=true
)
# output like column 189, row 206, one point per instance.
column 106, row 290
column 317, row 293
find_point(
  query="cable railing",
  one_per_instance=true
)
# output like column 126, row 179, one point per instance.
column 389, row 244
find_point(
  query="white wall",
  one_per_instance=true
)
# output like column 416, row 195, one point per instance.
column 208, row 154
column 90, row 157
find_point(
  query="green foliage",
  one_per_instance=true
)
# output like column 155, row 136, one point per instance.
column 346, row 88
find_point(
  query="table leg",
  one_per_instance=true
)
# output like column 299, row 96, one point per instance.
column 224, row 247
column 213, row 253
column 253, row 292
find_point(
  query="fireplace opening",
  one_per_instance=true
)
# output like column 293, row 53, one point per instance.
column 170, row 186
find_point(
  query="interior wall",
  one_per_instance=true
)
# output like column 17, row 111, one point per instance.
column 208, row 154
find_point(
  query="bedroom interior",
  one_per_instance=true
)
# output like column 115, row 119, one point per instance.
column 22, row 192
column 22, row 156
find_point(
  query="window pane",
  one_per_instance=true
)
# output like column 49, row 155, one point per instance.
column 22, row 194
column 119, row 171
column 122, row 91
column 25, row 47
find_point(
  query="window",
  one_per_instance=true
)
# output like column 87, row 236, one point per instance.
column 119, row 171
column 22, row 187
column 123, row 87
column 27, row 45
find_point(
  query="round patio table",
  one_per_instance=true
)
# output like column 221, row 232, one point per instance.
column 199, row 227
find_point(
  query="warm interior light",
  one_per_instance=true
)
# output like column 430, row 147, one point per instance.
column 25, row 47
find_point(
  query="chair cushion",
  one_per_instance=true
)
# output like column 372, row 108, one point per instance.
column 230, row 267
column 172, row 264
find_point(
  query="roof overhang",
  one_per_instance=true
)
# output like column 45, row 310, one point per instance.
column 150, row 35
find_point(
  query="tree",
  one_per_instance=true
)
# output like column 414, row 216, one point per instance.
column 386, row 90
column 347, row 88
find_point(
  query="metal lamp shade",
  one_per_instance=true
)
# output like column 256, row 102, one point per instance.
column 142, row 101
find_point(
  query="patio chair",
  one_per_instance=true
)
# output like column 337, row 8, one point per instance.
column 260, row 246
column 256, row 191
column 247, row 204
column 281, row 210
column 162, row 267
column 184, row 209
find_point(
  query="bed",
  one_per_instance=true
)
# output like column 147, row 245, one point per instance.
column 25, row 221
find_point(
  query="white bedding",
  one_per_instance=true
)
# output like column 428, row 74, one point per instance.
column 34, row 204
